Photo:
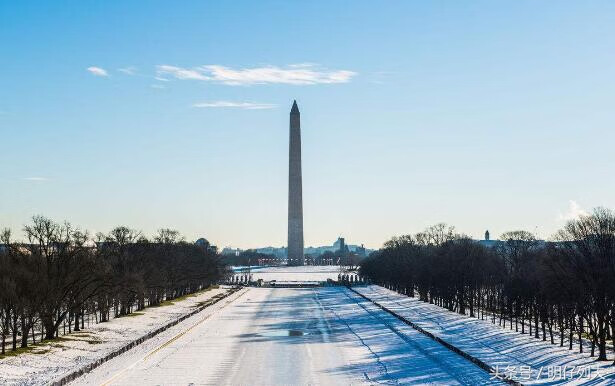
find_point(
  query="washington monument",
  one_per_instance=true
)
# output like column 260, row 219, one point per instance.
column 295, row 201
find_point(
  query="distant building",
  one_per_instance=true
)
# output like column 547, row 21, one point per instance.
column 282, row 252
column 361, row 251
column 228, row 251
column 487, row 242
column 203, row 243
column 341, row 245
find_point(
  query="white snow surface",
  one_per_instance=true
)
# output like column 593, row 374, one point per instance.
column 495, row 345
column 300, row 273
column 281, row 336
column 290, row 336
column 75, row 350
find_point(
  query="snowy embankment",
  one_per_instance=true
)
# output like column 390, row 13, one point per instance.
column 518, row 356
column 244, row 268
column 51, row 361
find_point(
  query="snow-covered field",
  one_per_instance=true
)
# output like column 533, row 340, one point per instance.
column 51, row 361
column 305, row 273
column 510, row 351
column 324, row 335
column 298, row 336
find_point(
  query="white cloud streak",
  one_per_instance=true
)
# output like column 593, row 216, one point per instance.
column 179, row 73
column 295, row 74
column 130, row 70
column 238, row 105
column 574, row 211
column 97, row 71
column 35, row 179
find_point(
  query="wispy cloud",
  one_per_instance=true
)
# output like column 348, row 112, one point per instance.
column 239, row 105
column 36, row 179
column 295, row 74
column 574, row 211
column 130, row 70
column 97, row 71
column 158, row 86
column 179, row 73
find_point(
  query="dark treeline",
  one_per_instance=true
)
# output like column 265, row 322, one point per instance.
column 249, row 257
column 59, row 274
column 343, row 258
column 562, row 290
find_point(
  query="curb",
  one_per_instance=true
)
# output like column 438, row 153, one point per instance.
column 91, row 366
column 490, row 370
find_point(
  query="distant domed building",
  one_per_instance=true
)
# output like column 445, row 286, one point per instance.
column 203, row 243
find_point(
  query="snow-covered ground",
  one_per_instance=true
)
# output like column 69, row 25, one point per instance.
column 324, row 335
column 305, row 273
column 509, row 351
column 284, row 336
column 53, row 360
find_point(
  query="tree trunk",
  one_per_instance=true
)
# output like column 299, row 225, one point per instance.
column 601, row 342
column 14, row 331
column 25, row 331
column 50, row 328
column 593, row 347
column 544, row 334
column 77, row 313
column 580, row 334
column 613, row 332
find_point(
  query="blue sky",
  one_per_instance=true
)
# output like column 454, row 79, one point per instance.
column 484, row 115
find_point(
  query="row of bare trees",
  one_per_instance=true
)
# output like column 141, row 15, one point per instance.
column 248, row 258
column 58, row 274
column 562, row 290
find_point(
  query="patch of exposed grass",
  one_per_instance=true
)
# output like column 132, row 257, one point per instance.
column 184, row 297
column 131, row 315
column 19, row 351
column 57, row 342
column 209, row 301
column 165, row 303
column 82, row 333
column 37, row 348
column 89, row 339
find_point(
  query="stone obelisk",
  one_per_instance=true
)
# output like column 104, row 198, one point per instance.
column 295, row 201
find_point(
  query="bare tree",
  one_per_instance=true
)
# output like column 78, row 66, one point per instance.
column 587, row 253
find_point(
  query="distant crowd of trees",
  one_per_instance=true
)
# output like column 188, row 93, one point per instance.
column 249, row 257
column 566, row 285
column 346, row 259
column 253, row 257
column 59, row 274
